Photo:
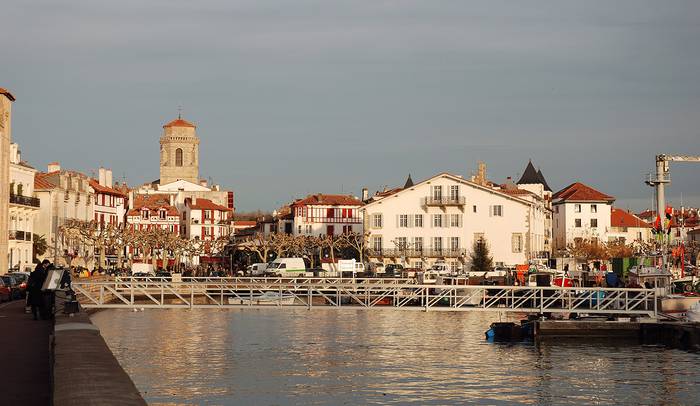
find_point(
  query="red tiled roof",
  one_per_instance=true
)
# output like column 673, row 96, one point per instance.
column 105, row 189
column 178, row 122
column 328, row 200
column 41, row 183
column 206, row 204
column 622, row 218
column 516, row 192
column 647, row 214
column 152, row 202
column 389, row 192
column 244, row 223
column 7, row 93
column 580, row 192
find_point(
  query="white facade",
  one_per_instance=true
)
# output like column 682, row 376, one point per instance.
column 23, row 209
column 628, row 228
column 583, row 216
column 321, row 215
column 64, row 195
column 440, row 219
column 204, row 220
column 110, row 204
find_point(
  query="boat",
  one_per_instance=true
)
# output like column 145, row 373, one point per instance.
column 267, row 298
column 660, row 279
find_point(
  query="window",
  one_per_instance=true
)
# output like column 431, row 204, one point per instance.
column 594, row 208
column 577, row 208
column 437, row 193
column 497, row 210
column 144, row 214
column 299, row 229
column 418, row 264
column 377, row 242
column 437, row 243
column 517, row 242
column 377, row 220
column 577, row 223
column 207, row 214
column 162, row 214
column 454, row 266
column 418, row 243
column 403, row 221
column 639, row 235
column 474, row 208
column 330, row 213
column 401, row 243
column 454, row 193
column 455, row 220
column 418, row 220
column 437, row 220
column 594, row 223
column 454, row 243
column 178, row 157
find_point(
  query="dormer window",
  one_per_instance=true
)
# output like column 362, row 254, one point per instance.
column 163, row 214
column 144, row 214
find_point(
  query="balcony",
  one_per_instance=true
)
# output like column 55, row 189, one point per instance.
column 15, row 235
column 25, row 200
column 418, row 253
column 337, row 220
column 444, row 201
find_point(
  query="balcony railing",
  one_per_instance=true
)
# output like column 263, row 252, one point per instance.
column 25, row 200
column 418, row 253
column 342, row 220
column 444, row 201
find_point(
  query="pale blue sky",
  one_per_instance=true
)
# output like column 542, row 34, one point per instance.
column 296, row 96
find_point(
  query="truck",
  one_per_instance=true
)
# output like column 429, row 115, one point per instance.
column 350, row 268
column 257, row 269
column 290, row 267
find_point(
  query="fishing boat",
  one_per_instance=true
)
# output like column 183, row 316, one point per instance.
column 661, row 280
column 267, row 298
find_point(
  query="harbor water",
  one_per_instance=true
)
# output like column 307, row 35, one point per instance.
column 352, row 357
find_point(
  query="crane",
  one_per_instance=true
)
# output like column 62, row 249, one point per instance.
column 662, row 177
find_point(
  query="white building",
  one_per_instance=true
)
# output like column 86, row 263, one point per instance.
column 628, row 228
column 323, row 214
column 24, row 207
column 110, row 204
column 64, row 195
column 440, row 218
column 533, row 180
column 205, row 220
column 580, row 212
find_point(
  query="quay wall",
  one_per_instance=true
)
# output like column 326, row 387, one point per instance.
column 85, row 372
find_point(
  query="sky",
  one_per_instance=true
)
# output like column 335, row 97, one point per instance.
column 292, row 97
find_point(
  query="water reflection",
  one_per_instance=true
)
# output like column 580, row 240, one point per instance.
column 324, row 356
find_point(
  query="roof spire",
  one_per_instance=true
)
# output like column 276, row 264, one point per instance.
column 179, row 112
column 409, row 182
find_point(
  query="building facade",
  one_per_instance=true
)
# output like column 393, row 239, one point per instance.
column 6, row 100
column 440, row 218
column 580, row 212
column 24, row 207
column 110, row 203
column 533, row 181
column 179, row 152
column 64, row 195
column 628, row 228
column 324, row 214
column 147, row 212
column 205, row 220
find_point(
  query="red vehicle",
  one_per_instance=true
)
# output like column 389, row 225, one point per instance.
column 5, row 292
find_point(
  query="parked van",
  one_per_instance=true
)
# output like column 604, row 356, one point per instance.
column 350, row 268
column 142, row 270
column 287, row 267
column 257, row 269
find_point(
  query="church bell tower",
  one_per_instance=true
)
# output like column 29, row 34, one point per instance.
column 179, row 152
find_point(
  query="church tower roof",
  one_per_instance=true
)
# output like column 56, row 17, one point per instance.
column 531, row 176
column 409, row 182
column 179, row 122
column 543, row 181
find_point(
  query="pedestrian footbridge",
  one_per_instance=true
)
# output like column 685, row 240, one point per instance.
column 370, row 294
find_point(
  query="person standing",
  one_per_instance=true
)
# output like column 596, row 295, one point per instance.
column 34, row 284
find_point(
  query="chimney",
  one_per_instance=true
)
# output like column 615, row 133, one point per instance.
column 53, row 167
column 131, row 199
column 365, row 194
column 108, row 177
column 203, row 182
column 101, row 176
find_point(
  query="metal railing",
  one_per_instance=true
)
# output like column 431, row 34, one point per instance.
column 362, row 294
column 25, row 200
column 444, row 201
column 418, row 253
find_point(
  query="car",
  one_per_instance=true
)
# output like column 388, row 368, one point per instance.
column 164, row 274
column 13, row 284
column 5, row 292
column 22, row 278
column 392, row 270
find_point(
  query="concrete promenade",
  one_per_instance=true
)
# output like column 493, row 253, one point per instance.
column 25, row 370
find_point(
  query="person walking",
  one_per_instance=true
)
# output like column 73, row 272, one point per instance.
column 34, row 284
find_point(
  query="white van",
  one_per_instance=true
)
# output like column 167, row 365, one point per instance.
column 287, row 267
column 142, row 270
column 257, row 269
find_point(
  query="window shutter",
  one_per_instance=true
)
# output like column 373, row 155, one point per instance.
column 410, row 220
column 490, row 211
column 397, row 221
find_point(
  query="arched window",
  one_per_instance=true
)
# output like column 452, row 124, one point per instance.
column 178, row 157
